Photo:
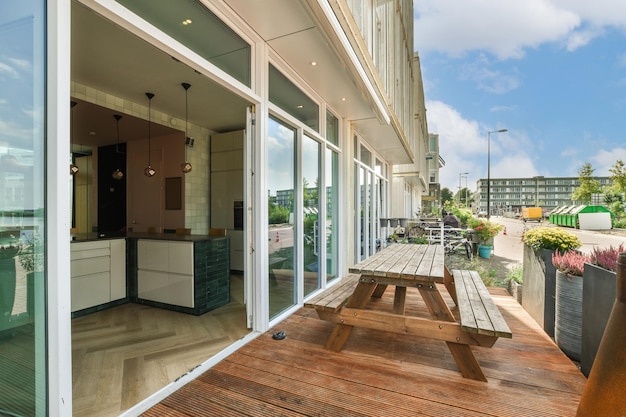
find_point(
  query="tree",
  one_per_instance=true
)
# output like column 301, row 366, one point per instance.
column 588, row 185
column 618, row 176
column 446, row 195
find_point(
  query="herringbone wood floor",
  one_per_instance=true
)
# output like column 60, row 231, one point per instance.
column 122, row 355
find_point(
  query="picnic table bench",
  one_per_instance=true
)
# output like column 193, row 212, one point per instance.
column 422, row 267
column 477, row 311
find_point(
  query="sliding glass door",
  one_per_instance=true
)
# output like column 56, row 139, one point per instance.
column 281, row 188
column 23, row 367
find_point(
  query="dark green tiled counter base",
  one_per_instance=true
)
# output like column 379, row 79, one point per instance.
column 212, row 271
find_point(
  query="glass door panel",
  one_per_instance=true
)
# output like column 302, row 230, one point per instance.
column 23, row 365
column 332, row 213
column 281, row 228
column 310, row 218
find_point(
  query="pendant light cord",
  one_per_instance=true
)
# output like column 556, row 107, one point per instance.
column 186, row 87
column 149, row 95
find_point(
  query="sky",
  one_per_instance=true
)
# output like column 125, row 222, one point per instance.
column 551, row 72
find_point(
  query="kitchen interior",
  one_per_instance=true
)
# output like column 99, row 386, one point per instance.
column 158, row 155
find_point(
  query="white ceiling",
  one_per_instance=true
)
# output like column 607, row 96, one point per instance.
column 112, row 60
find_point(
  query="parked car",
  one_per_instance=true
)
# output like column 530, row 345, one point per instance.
column 482, row 213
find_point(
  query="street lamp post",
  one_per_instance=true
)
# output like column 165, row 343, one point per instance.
column 489, row 169
column 458, row 195
column 465, row 176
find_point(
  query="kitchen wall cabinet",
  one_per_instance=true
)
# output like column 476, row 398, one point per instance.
column 227, row 180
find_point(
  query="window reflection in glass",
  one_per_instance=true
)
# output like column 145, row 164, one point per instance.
column 332, row 213
column 311, row 236
column 22, row 321
column 281, row 229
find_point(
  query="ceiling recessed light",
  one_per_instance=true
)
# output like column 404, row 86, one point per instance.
column 313, row 63
column 187, row 22
column 300, row 106
column 343, row 99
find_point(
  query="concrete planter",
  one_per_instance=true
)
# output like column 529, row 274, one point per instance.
column 569, row 314
column 515, row 290
column 599, row 291
column 539, row 279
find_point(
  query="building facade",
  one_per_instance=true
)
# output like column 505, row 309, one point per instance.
column 257, row 97
column 410, row 181
column 512, row 194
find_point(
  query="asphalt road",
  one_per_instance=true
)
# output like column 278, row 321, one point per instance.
column 509, row 246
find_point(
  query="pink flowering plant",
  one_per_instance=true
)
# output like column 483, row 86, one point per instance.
column 570, row 262
column 606, row 257
column 484, row 229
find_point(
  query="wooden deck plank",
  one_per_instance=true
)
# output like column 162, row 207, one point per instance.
column 381, row 373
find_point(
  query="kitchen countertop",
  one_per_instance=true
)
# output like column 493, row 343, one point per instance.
column 86, row 237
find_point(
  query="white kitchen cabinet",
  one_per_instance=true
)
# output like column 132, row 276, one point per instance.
column 118, row 269
column 165, row 272
column 98, row 272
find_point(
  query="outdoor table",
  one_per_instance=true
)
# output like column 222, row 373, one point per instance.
column 403, row 266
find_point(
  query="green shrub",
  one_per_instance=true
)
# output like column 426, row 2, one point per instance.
column 620, row 223
column 552, row 238
column 420, row 240
column 515, row 274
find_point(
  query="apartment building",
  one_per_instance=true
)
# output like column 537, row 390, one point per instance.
column 208, row 108
column 511, row 194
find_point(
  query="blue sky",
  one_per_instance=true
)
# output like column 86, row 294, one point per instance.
column 552, row 72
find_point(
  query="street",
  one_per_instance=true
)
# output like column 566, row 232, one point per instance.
column 508, row 244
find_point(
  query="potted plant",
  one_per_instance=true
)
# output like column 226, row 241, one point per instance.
column 599, row 290
column 568, row 301
column 551, row 238
column 484, row 230
column 539, row 274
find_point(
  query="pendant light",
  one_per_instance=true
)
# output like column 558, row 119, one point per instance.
column 117, row 174
column 186, row 166
column 149, row 171
column 73, row 167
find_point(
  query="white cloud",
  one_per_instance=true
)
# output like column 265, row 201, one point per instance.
column 464, row 147
column 598, row 12
column 581, row 38
column 8, row 70
column 501, row 108
column 487, row 79
column 605, row 159
column 504, row 28
column 507, row 28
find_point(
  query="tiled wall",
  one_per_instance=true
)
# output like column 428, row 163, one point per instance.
column 197, row 181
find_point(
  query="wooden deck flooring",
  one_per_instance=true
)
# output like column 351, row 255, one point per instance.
column 383, row 374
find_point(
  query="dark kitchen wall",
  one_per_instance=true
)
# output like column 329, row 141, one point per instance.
column 111, row 193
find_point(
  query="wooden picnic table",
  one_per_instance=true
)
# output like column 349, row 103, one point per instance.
column 421, row 267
